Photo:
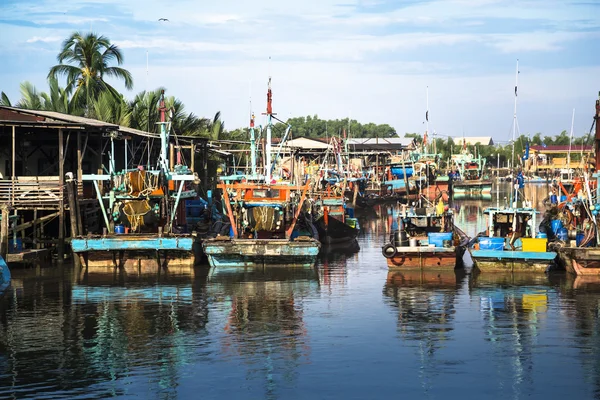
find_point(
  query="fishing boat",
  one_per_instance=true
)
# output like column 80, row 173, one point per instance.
column 472, row 178
column 4, row 276
column 334, row 221
column 425, row 238
column 575, row 218
column 140, row 211
column 265, row 216
column 510, row 243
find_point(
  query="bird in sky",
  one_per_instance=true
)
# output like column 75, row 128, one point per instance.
column 163, row 19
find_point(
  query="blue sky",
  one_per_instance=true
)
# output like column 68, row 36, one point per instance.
column 368, row 59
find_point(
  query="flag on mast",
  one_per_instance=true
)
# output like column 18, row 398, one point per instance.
column 427, row 115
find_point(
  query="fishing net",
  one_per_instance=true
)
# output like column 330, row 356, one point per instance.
column 137, row 182
column 135, row 211
column 265, row 218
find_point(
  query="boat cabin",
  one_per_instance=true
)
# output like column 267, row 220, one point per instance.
column 503, row 222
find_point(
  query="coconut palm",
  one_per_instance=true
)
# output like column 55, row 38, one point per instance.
column 113, row 110
column 31, row 99
column 85, row 60
column 4, row 100
column 59, row 99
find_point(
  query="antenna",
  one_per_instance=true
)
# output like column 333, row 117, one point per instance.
column 515, row 123
column 570, row 142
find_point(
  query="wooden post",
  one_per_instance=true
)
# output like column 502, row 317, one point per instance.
column 79, row 166
column 35, row 229
column 4, row 232
column 193, row 156
column 12, row 192
column 71, row 193
column 61, row 201
column 171, row 157
column 205, row 165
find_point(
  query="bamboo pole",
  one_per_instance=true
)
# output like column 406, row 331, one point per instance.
column 61, row 200
column 4, row 232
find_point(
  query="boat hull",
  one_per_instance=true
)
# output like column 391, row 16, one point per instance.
column 512, row 261
column 336, row 231
column 426, row 258
column 245, row 253
column 4, row 276
column 472, row 187
column 141, row 251
column 582, row 261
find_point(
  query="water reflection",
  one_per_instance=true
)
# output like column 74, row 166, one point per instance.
column 425, row 303
column 582, row 295
column 265, row 320
column 65, row 336
column 514, row 310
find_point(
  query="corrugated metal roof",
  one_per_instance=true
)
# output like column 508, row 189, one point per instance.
column 561, row 147
column 53, row 116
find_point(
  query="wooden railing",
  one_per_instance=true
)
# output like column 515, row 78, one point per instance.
column 31, row 191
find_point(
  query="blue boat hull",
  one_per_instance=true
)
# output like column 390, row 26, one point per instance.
column 244, row 253
column 512, row 261
column 4, row 276
column 136, row 250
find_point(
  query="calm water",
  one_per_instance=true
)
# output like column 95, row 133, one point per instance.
column 347, row 329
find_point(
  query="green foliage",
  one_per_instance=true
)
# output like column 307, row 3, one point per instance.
column 85, row 61
column 314, row 127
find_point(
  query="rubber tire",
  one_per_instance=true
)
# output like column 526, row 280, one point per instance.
column 386, row 251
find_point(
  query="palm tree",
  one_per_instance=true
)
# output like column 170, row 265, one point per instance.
column 4, row 100
column 113, row 110
column 59, row 99
column 85, row 61
column 31, row 99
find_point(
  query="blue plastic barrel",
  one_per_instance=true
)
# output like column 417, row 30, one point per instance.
column 553, row 199
column 119, row 229
column 563, row 234
column 563, row 198
column 556, row 224
column 350, row 212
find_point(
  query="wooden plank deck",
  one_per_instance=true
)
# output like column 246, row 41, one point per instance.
column 28, row 256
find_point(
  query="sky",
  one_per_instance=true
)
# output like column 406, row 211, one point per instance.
column 371, row 60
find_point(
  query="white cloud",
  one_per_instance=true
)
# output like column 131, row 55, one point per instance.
column 47, row 39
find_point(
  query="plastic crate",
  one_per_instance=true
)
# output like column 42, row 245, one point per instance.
column 534, row 244
column 491, row 243
column 437, row 238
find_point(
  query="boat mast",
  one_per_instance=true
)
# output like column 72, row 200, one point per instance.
column 515, row 124
column 570, row 143
column 164, row 135
column 427, row 112
column 252, row 143
column 269, row 114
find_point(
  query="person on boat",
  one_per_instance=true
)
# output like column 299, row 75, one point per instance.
column 453, row 175
column 521, row 231
column 519, row 185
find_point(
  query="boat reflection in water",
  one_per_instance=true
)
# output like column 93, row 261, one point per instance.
column 514, row 311
column 582, row 293
column 425, row 302
column 97, row 334
column 264, row 323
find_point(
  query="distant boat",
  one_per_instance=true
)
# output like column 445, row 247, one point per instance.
column 4, row 276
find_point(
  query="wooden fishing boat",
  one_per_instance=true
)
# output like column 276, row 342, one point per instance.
column 510, row 243
column 472, row 180
column 426, row 239
column 140, row 210
column 264, row 227
column 268, row 219
column 332, row 219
